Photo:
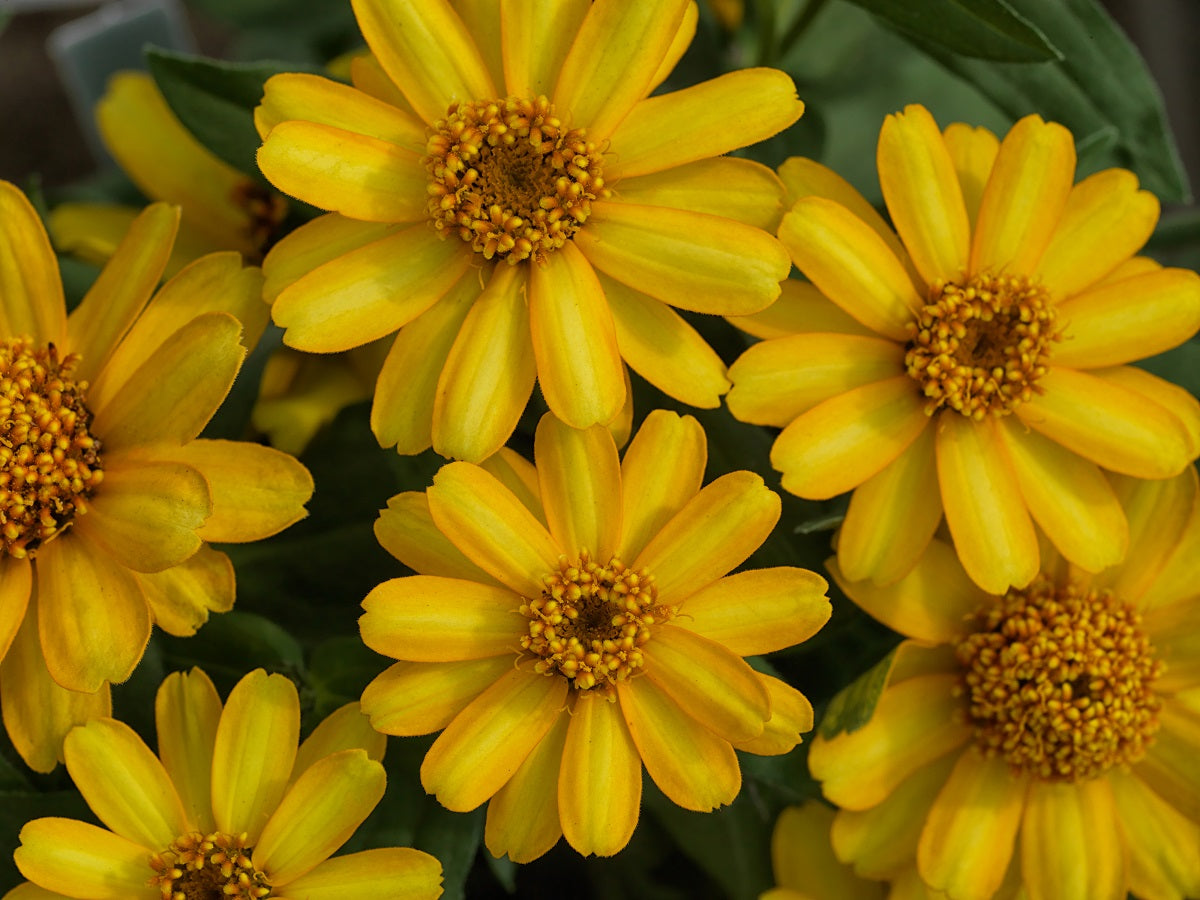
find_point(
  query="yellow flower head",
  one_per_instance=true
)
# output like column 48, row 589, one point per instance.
column 971, row 363
column 1046, row 739
column 504, row 192
column 228, row 808
column 570, row 623
column 107, row 498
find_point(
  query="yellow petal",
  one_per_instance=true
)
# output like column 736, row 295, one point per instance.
column 482, row 21
column 182, row 596
column 914, row 724
column 791, row 716
column 523, row 816
column 613, row 61
column 1024, row 198
column 368, row 76
column 406, row 530
column 969, row 835
column 313, row 244
column 31, row 293
column 1164, row 859
column 710, row 536
column 517, row 474
column 692, row 766
column 802, row 856
column 187, row 710
column 705, row 120
column 1176, row 400
column 1169, row 767
column 489, row 370
column 426, row 50
column 690, row 260
column 253, row 753
column 318, row 814
column 851, row 265
column 124, row 783
column 984, row 508
column 679, row 44
column 759, row 611
column 662, row 470
column 492, row 527
column 973, row 151
column 346, row 728
column 65, row 855
column 580, row 478
column 800, row 308
column 93, row 231
column 405, row 393
column 93, row 620
column 1175, row 632
column 388, row 873
column 487, row 742
column 922, row 191
column 536, row 39
column 425, row 618
column 16, row 583
column 1072, row 844
column 600, row 785
column 420, row 698
column 738, row 189
column 1136, row 265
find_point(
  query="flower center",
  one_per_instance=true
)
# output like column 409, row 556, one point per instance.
column 265, row 209
column 1059, row 682
column 980, row 348
column 49, row 464
column 208, row 867
column 508, row 178
column 591, row 621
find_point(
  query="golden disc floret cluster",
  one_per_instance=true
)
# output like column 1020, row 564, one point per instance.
column 265, row 211
column 49, row 463
column 216, row 866
column 591, row 621
column 1059, row 682
column 980, row 348
column 508, row 178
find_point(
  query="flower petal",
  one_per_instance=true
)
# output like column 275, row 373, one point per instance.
column 801, row 308
column 16, row 585
column 182, row 596
column 1158, row 513
column 424, row 618
column 536, row 39
column 254, row 751
column 406, row 530
column 791, row 716
column 1170, row 765
column 420, row 698
column 759, row 611
column 487, row 742
column 679, row 44
column 985, row 512
column 313, row 244
column 686, row 259
column 523, row 816
column 124, row 783
column 346, row 728
column 738, row 189
column 64, row 855
column 580, row 478
column 1176, row 400
column 600, row 785
column 803, row 860
column 31, row 292
column 387, row 873
column 1163, row 857
column 517, row 474
column 973, row 151
column 714, row 533
column 187, row 710
column 692, row 766
column 1072, row 843
column 705, row 120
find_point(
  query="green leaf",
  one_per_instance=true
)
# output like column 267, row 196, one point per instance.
column 1180, row 365
column 232, row 644
column 339, row 669
column 983, row 29
column 852, row 706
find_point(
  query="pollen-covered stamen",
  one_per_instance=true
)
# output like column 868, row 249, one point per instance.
column 265, row 210
column 507, row 177
column 980, row 348
column 49, row 463
column 215, row 866
column 591, row 621
column 1059, row 682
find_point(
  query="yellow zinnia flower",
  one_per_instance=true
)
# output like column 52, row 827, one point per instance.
column 505, row 193
column 1046, row 740
column 107, row 499
column 804, row 864
column 555, row 669
column 974, row 365
column 228, row 808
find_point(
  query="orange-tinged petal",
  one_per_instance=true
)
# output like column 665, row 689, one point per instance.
column 1072, row 844
column 710, row 536
column 420, row 698
column 922, row 191
column 1176, row 400
column 600, row 785
column 93, row 619
column 492, row 527
column 318, row 814
column 31, row 293
column 679, row 44
column 523, row 816
column 1115, row 427
column 791, row 716
column 1136, row 265
column 759, row 611
column 738, row 189
column 487, row 742
column 802, row 856
column 913, row 724
column 182, row 596
column 489, row 371
column 580, row 478
column 124, row 783
column 254, row 751
column 346, row 728
column 406, row 530
column 16, row 584
column 427, row 51
column 425, row 618
column 517, row 474
column 536, row 39
column 687, row 259
column 613, row 61
column 692, row 766
column 973, row 151
column 1175, row 633
column 662, row 470
column 1169, row 767
column 984, row 508
column 187, row 710
column 64, row 855
column 800, row 308
column 482, row 21
column 313, row 244
column 840, row 443
column 968, row 837
column 369, row 291
column 387, row 873
column 1158, row 514
column 705, row 120
column 1164, row 846
column 1024, row 198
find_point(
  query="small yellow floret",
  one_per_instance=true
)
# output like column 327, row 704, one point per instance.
column 207, row 867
